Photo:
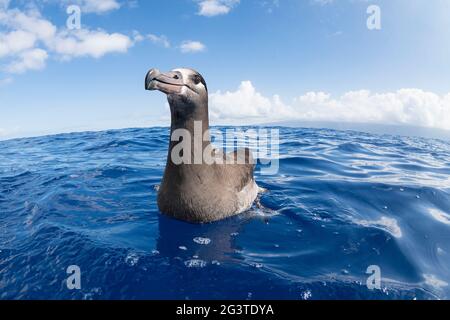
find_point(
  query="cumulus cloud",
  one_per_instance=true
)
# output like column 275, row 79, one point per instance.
column 95, row 6
column 247, row 103
column 96, row 44
column 160, row 40
column 30, row 39
column 99, row 6
column 15, row 42
column 403, row 107
column 211, row 8
column 28, row 60
column 189, row 46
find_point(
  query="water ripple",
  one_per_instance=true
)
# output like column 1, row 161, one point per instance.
column 340, row 202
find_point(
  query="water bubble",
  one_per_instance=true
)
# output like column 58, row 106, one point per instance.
column 306, row 295
column 182, row 248
column 132, row 259
column 202, row 241
column 91, row 295
column 195, row 263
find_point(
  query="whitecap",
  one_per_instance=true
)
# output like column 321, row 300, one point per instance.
column 202, row 241
column 265, row 212
column 195, row 263
column 132, row 259
column 306, row 295
column 96, row 292
column 433, row 281
column 387, row 224
column 257, row 265
column 439, row 215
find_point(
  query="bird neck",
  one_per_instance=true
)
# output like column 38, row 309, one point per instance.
column 189, row 137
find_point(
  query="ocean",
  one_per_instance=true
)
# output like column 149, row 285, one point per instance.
column 341, row 204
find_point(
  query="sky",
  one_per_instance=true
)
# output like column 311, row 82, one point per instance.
column 263, row 60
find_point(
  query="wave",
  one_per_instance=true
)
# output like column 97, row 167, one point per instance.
column 340, row 202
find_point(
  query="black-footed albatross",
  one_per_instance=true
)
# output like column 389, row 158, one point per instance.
column 200, row 190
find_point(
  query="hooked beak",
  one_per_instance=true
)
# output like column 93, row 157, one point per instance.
column 169, row 83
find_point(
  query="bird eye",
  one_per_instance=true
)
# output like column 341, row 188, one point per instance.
column 197, row 79
column 176, row 77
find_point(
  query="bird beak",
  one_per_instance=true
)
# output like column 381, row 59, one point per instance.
column 169, row 83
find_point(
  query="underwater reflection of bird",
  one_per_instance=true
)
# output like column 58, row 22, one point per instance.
column 205, row 243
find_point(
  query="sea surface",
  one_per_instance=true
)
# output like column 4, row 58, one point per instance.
column 340, row 202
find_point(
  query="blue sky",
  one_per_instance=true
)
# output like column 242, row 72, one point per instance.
column 263, row 61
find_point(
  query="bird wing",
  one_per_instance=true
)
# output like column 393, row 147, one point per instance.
column 243, row 165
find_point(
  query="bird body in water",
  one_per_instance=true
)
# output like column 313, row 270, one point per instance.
column 199, row 185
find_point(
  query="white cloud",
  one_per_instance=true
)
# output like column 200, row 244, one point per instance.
column 16, row 41
column 28, row 60
column 96, row 44
column 210, row 8
column 30, row 22
column 161, row 40
column 246, row 103
column 96, row 6
column 433, row 281
column 189, row 46
column 403, row 107
column 30, row 39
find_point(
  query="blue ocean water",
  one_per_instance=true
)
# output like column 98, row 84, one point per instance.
column 341, row 202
